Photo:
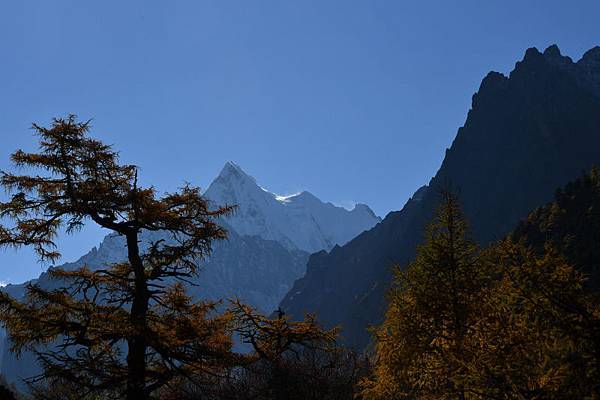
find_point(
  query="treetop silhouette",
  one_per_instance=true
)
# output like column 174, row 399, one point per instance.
column 129, row 326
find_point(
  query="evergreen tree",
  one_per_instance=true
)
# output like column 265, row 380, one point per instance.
column 128, row 328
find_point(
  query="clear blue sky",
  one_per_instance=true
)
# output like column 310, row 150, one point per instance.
column 355, row 101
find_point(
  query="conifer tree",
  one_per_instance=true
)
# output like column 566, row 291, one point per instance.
column 128, row 327
column 422, row 346
column 286, row 360
column 518, row 320
column 276, row 343
column 538, row 334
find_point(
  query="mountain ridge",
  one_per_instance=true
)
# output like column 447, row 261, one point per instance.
column 525, row 135
column 299, row 221
column 258, row 269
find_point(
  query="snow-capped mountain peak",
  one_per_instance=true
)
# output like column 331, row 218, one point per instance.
column 299, row 221
column 245, row 266
column 233, row 176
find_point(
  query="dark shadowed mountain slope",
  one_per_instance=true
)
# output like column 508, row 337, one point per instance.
column 571, row 223
column 525, row 136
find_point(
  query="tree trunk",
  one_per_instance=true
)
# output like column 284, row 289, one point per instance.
column 136, row 355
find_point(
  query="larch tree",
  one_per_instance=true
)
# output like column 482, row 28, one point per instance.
column 513, row 321
column 286, row 360
column 539, row 333
column 422, row 349
column 130, row 327
column 278, row 349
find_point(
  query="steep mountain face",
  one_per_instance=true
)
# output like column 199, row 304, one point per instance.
column 265, row 252
column 301, row 221
column 526, row 135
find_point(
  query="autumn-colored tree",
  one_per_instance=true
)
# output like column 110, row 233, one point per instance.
column 538, row 334
column 129, row 328
column 422, row 346
column 304, row 374
column 286, row 360
column 515, row 321
column 275, row 342
column 571, row 224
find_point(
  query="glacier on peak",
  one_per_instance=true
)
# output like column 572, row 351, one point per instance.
column 298, row 221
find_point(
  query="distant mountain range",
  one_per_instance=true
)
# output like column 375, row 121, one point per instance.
column 526, row 135
column 268, row 244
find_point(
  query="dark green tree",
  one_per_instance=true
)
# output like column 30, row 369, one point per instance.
column 571, row 224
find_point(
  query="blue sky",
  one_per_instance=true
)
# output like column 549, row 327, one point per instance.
column 355, row 101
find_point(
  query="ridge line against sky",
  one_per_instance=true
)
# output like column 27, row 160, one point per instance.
column 352, row 101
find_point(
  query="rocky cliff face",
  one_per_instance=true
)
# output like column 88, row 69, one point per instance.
column 526, row 135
